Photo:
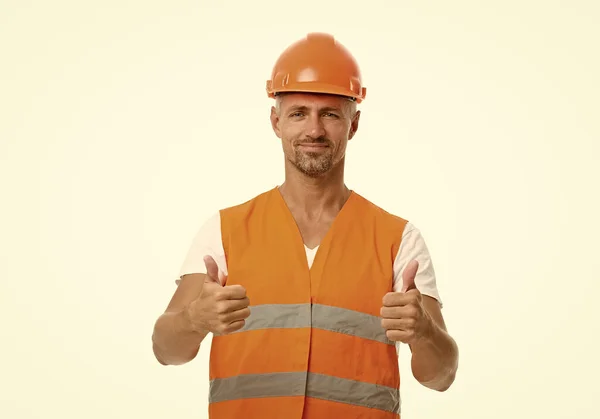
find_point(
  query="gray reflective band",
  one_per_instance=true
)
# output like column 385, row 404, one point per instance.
column 257, row 385
column 353, row 392
column 349, row 322
column 267, row 316
column 324, row 317
column 317, row 385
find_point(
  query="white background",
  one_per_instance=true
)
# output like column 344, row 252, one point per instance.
column 124, row 124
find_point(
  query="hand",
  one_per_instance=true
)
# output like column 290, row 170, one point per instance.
column 403, row 316
column 219, row 309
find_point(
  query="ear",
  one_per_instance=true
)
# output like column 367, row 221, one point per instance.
column 275, row 122
column 354, row 125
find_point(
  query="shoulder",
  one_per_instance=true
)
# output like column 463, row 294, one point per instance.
column 209, row 229
column 246, row 207
column 414, row 247
column 410, row 245
column 380, row 214
column 211, row 237
column 206, row 242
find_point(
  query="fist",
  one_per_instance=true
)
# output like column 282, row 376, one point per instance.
column 219, row 309
column 402, row 315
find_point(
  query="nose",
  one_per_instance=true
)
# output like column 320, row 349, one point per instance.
column 315, row 127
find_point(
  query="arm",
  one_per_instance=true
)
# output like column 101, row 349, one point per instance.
column 174, row 340
column 201, row 305
column 435, row 355
column 416, row 319
column 434, row 352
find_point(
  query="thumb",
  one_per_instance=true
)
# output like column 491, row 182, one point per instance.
column 408, row 276
column 212, row 270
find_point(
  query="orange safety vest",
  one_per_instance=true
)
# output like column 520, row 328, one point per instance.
column 313, row 346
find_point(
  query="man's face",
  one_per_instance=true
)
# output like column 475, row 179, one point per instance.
column 314, row 130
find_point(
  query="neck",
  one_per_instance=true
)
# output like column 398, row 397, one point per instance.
column 314, row 196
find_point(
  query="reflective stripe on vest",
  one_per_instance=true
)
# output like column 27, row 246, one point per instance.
column 334, row 319
column 310, row 384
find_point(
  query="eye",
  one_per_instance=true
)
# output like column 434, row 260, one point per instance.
column 330, row 115
column 296, row 114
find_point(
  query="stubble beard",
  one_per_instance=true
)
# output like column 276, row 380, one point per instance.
column 313, row 164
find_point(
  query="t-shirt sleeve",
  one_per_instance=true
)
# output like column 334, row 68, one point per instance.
column 413, row 246
column 206, row 242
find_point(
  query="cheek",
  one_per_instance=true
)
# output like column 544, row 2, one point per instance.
column 341, row 149
column 289, row 134
column 338, row 132
column 341, row 142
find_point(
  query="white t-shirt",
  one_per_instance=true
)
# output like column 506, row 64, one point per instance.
column 207, row 242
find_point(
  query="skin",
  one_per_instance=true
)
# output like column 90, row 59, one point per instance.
column 416, row 320
column 202, row 304
column 314, row 188
column 314, row 131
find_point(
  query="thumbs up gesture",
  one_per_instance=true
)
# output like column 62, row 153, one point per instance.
column 403, row 316
column 220, row 309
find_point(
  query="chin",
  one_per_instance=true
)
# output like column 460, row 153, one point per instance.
column 314, row 171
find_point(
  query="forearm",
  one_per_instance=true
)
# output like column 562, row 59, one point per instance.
column 435, row 359
column 174, row 341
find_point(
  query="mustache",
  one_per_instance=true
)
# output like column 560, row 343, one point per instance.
column 320, row 140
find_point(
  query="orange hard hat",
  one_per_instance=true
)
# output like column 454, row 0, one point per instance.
column 317, row 64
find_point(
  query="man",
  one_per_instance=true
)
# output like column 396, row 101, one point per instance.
column 309, row 289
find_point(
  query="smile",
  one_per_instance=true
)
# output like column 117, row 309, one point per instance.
column 313, row 147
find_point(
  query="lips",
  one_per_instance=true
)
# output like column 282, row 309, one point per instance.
column 313, row 148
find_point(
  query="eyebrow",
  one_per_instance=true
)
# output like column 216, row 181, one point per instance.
column 306, row 108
